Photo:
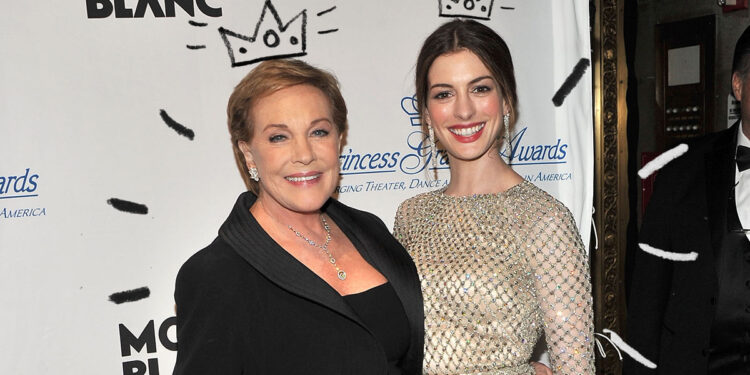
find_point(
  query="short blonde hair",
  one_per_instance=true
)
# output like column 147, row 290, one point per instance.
column 267, row 78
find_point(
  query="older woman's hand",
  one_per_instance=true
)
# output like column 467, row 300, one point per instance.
column 541, row 369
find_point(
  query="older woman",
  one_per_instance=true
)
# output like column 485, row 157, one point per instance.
column 296, row 282
column 501, row 261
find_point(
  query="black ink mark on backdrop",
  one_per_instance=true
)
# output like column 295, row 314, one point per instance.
column 179, row 128
column 294, row 46
column 128, row 206
column 130, row 295
column 326, row 11
column 196, row 24
column 570, row 82
column 477, row 9
column 268, row 41
column 507, row 8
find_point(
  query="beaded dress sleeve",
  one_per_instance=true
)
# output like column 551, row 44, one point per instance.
column 560, row 266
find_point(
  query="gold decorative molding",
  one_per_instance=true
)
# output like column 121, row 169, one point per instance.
column 610, row 174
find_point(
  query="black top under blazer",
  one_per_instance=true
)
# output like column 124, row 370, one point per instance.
column 671, row 304
column 246, row 306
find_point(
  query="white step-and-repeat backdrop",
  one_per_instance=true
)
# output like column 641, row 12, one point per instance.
column 116, row 166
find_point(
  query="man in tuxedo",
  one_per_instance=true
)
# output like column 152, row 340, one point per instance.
column 693, row 317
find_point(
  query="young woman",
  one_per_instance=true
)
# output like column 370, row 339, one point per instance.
column 500, row 260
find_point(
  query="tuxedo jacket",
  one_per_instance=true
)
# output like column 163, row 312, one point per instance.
column 671, row 304
column 246, row 306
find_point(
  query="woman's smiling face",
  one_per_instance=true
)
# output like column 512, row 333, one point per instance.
column 464, row 105
column 295, row 147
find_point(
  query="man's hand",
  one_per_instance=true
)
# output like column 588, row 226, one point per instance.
column 541, row 369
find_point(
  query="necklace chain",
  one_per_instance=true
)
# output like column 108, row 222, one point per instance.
column 339, row 272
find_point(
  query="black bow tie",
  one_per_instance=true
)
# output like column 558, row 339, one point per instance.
column 743, row 158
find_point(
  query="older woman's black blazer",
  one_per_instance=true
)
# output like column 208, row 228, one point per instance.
column 246, row 306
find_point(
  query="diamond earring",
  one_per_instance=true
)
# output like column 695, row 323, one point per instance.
column 508, row 146
column 254, row 174
column 433, row 147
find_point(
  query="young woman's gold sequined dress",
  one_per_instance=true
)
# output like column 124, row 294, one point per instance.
column 497, row 270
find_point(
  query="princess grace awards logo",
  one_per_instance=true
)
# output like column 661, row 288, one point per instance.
column 525, row 154
column 17, row 193
column 406, row 162
column 411, row 166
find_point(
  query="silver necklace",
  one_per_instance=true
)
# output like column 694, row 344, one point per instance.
column 339, row 272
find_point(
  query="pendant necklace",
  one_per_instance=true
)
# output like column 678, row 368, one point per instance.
column 339, row 272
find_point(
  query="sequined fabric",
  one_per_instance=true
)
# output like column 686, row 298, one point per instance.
column 497, row 270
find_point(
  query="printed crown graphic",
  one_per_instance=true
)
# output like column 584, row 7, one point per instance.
column 409, row 106
column 477, row 9
column 270, row 40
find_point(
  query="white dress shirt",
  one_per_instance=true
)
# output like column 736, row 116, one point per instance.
column 742, row 186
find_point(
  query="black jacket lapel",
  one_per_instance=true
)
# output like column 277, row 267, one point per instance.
column 384, row 252
column 387, row 255
column 379, row 252
column 249, row 240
